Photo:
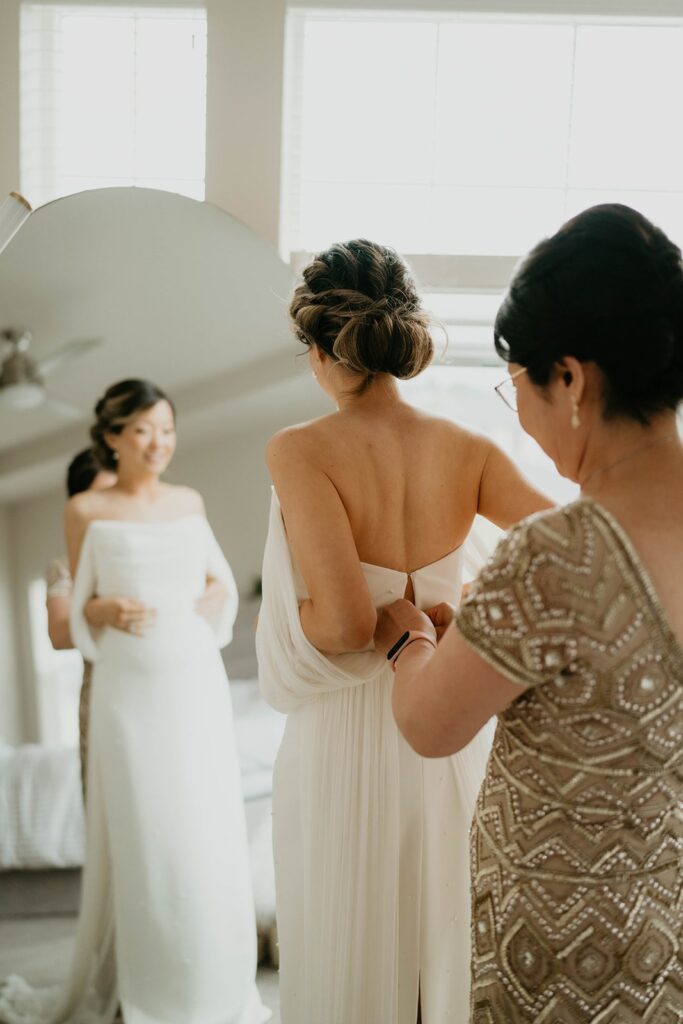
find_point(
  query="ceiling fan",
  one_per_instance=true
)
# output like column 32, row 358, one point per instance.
column 22, row 379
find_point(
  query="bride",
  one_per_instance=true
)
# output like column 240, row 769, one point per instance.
column 371, row 503
column 167, row 927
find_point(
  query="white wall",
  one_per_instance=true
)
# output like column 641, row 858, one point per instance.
column 9, row 96
column 11, row 710
column 244, row 110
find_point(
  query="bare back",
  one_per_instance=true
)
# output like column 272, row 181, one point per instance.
column 383, row 483
column 409, row 482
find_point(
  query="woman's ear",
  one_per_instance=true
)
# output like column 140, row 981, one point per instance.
column 320, row 356
column 573, row 376
column 110, row 440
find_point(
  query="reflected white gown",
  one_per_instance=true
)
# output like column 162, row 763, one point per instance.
column 370, row 840
column 167, row 924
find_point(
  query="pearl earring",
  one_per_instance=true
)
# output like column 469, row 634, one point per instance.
column 576, row 419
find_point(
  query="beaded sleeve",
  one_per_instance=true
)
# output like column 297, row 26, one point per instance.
column 58, row 579
column 521, row 612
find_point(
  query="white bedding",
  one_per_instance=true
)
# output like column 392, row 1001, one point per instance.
column 41, row 810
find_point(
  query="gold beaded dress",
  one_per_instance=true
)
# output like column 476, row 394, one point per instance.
column 577, row 838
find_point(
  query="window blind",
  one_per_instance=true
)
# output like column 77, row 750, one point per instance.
column 112, row 95
column 470, row 135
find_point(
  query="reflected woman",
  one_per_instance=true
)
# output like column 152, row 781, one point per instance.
column 371, row 503
column 573, row 636
column 167, row 868
column 83, row 474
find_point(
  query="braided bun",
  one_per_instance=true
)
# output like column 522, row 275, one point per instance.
column 359, row 304
column 118, row 406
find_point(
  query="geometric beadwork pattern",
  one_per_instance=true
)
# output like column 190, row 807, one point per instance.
column 577, row 840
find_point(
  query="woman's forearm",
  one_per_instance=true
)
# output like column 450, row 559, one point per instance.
column 58, row 608
column 343, row 636
column 407, row 693
column 60, row 635
column 95, row 611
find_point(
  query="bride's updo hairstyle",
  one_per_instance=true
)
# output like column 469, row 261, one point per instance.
column 359, row 304
column 120, row 404
column 608, row 289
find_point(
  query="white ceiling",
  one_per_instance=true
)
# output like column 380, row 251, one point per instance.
column 179, row 291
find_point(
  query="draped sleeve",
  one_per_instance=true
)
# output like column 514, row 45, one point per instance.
column 84, row 635
column 292, row 671
column 217, row 567
column 521, row 612
column 479, row 546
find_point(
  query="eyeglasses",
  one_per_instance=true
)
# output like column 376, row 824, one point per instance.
column 507, row 390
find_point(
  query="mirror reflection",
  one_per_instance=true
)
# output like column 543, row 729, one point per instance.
column 339, row 632
column 97, row 287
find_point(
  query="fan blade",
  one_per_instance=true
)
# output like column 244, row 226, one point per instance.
column 16, row 340
column 72, row 349
column 64, row 409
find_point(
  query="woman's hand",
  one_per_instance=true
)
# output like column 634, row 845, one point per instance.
column 212, row 600
column 395, row 619
column 441, row 616
column 120, row 613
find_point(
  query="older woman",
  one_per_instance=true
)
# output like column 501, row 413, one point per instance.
column 573, row 636
column 84, row 474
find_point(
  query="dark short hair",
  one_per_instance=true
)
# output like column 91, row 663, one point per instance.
column 118, row 405
column 606, row 288
column 82, row 471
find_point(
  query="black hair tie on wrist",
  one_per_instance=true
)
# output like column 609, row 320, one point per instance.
column 402, row 639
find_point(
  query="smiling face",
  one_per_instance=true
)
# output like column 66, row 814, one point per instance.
column 145, row 445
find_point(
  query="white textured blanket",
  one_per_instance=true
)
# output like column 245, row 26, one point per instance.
column 41, row 808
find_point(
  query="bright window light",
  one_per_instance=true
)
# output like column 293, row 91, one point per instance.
column 112, row 96
column 471, row 134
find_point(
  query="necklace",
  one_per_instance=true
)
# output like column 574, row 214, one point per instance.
column 624, row 458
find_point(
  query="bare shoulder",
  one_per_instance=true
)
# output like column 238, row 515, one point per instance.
column 84, row 507
column 457, row 439
column 185, row 500
column 295, row 442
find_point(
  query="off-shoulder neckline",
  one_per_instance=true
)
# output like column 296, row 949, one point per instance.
column 145, row 522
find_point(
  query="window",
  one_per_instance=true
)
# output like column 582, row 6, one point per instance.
column 474, row 134
column 461, row 139
column 112, row 96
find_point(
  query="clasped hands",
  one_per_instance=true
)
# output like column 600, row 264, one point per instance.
column 396, row 618
column 135, row 617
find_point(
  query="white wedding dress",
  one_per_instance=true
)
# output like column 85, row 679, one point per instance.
column 370, row 840
column 166, row 928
